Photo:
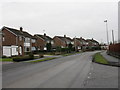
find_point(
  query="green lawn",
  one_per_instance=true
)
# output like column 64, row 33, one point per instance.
column 100, row 59
column 6, row 59
column 45, row 59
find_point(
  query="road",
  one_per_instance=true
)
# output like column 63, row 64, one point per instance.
column 65, row 72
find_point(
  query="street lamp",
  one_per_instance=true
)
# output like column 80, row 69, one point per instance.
column 107, row 31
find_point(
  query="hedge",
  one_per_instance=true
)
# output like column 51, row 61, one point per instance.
column 18, row 59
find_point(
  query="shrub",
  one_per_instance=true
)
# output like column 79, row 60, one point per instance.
column 27, row 53
column 31, row 55
column 19, row 59
column 41, row 55
column 4, row 56
column 58, row 49
column 49, row 47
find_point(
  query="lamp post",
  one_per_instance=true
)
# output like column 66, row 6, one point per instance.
column 107, row 31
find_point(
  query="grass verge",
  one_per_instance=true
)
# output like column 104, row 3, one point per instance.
column 68, row 54
column 45, row 59
column 6, row 59
column 100, row 59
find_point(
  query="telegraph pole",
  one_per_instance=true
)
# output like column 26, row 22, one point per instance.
column 113, row 36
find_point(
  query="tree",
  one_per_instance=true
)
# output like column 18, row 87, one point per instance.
column 58, row 49
column 49, row 47
column 70, row 47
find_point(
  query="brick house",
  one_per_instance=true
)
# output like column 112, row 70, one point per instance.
column 84, row 43
column 77, row 43
column 16, row 42
column 92, row 43
column 42, row 40
column 62, row 42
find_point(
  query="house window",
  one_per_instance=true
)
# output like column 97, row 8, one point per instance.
column 52, row 42
column 3, row 38
column 33, row 40
column 27, row 39
column 72, row 42
column 48, row 41
column 20, row 38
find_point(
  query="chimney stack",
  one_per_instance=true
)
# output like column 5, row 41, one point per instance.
column 21, row 29
column 45, row 34
column 65, row 36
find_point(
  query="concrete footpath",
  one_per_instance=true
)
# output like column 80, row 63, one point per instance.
column 103, row 76
column 109, row 58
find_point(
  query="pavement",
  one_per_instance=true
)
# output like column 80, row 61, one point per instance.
column 103, row 76
column 109, row 58
column 75, row 71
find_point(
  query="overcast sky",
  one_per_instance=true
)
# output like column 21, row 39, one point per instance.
column 80, row 19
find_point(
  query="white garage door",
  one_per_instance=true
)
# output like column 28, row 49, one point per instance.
column 6, row 51
column 10, row 50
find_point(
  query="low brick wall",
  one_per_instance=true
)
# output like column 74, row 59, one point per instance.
column 114, row 50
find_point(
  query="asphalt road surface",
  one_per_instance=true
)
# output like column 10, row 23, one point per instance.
column 65, row 72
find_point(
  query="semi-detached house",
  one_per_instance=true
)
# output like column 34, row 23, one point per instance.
column 17, row 42
column 92, row 43
column 42, row 40
column 62, row 42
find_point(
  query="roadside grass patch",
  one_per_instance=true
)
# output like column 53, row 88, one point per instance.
column 68, row 54
column 100, row 59
column 45, row 59
column 6, row 59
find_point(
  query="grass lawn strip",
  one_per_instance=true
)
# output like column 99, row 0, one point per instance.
column 100, row 59
column 45, row 59
column 6, row 59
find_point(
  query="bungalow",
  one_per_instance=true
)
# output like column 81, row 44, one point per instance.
column 62, row 42
column 16, row 42
column 42, row 40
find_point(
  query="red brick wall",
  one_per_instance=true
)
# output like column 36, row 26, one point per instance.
column 77, row 43
column 115, row 48
column 58, row 42
column 40, row 43
column 34, row 44
column 10, row 39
